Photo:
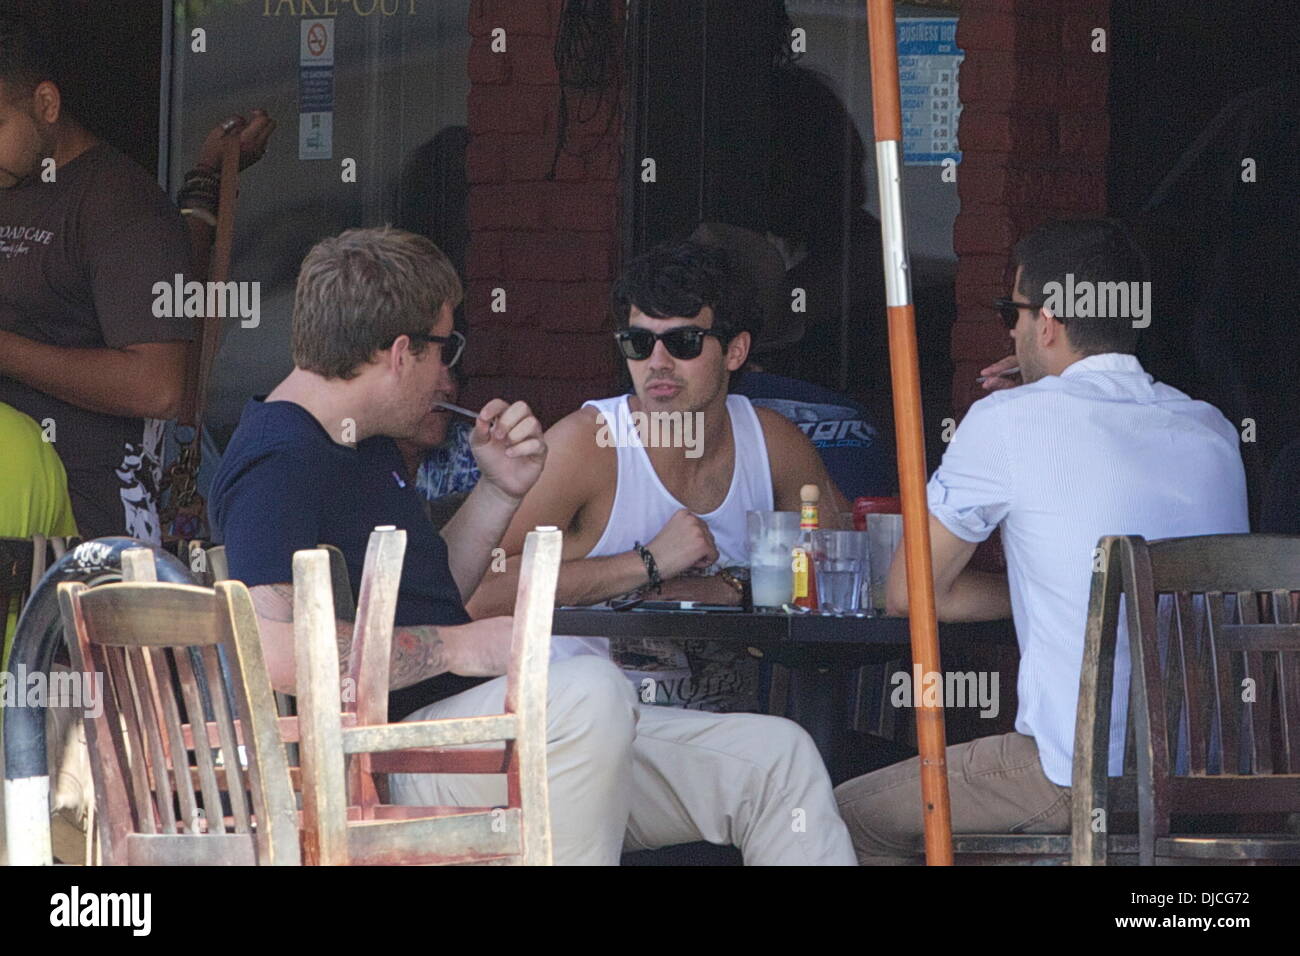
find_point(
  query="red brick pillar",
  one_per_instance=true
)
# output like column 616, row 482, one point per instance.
column 549, row 245
column 1034, row 136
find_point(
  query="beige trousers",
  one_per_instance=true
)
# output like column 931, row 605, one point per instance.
column 995, row 784
column 626, row 775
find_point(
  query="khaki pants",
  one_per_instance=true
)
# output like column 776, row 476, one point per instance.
column 996, row 785
column 626, row 775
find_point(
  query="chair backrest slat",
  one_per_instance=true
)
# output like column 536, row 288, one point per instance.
column 530, row 654
column 1225, row 562
column 232, row 763
column 147, row 696
column 1283, row 605
column 1175, row 683
column 1189, row 630
column 203, row 761
column 111, row 777
column 1227, row 701
column 129, row 703
column 177, row 753
column 324, row 798
column 274, row 801
column 1254, row 686
column 372, row 633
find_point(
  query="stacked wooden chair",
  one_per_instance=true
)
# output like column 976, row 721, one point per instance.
column 189, row 756
column 366, row 830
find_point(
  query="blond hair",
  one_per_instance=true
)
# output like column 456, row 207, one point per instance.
column 360, row 290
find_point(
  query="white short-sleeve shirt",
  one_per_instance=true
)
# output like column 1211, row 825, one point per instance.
column 1100, row 449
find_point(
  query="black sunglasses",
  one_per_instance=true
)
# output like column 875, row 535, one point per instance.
column 684, row 342
column 441, row 340
column 1009, row 310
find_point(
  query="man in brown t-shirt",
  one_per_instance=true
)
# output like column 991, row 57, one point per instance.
column 84, row 236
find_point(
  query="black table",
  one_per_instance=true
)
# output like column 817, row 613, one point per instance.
column 819, row 649
column 806, row 636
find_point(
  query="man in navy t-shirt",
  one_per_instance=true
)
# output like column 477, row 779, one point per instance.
column 315, row 463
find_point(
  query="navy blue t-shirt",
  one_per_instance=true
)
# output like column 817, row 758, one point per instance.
column 284, row 485
column 855, row 452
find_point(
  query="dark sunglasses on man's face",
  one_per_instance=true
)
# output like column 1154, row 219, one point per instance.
column 684, row 342
column 1009, row 310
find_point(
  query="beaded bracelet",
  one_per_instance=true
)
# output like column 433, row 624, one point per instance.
column 652, row 569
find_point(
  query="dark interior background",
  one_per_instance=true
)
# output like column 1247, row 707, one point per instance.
column 121, row 103
column 1195, row 88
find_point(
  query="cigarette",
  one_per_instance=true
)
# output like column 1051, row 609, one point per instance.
column 1007, row 374
column 456, row 408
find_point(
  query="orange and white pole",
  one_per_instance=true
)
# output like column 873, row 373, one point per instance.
column 905, row 372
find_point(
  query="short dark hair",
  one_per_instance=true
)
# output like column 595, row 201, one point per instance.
column 1092, row 250
column 27, row 57
column 680, row 279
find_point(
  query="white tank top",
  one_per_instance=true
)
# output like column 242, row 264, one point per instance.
column 642, row 505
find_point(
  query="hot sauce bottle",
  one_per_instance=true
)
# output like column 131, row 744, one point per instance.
column 805, row 575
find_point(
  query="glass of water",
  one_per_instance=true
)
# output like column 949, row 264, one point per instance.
column 772, row 534
column 843, row 570
column 884, row 531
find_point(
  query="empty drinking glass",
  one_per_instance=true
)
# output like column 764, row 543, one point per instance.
column 884, row 532
column 842, row 570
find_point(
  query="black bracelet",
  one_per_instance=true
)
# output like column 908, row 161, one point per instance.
column 652, row 569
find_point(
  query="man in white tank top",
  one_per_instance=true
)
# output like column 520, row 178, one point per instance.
column 672, row 495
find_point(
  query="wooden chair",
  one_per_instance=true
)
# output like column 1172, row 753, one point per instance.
column 1215, row 700
column 1115, row 795
column 156, row 646
column 379, row 833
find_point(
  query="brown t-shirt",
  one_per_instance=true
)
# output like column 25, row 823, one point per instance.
column 78, row 261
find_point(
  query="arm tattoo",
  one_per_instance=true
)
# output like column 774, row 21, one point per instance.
column 418, row 653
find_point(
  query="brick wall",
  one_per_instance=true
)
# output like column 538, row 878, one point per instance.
column 551, row 245
column 1034, row 137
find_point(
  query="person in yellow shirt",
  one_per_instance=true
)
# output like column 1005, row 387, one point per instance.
column 33, row 490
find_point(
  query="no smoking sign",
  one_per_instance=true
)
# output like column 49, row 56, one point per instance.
column 316, row 90
column 318, row 40
column 317, row 47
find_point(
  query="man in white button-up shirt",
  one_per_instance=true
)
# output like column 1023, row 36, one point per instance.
column 1089, row 445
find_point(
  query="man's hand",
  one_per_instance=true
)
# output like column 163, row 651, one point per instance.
column 481, row 648
column 994, row 377
column 253, row 136
column 684, row 543
column 510, row 451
